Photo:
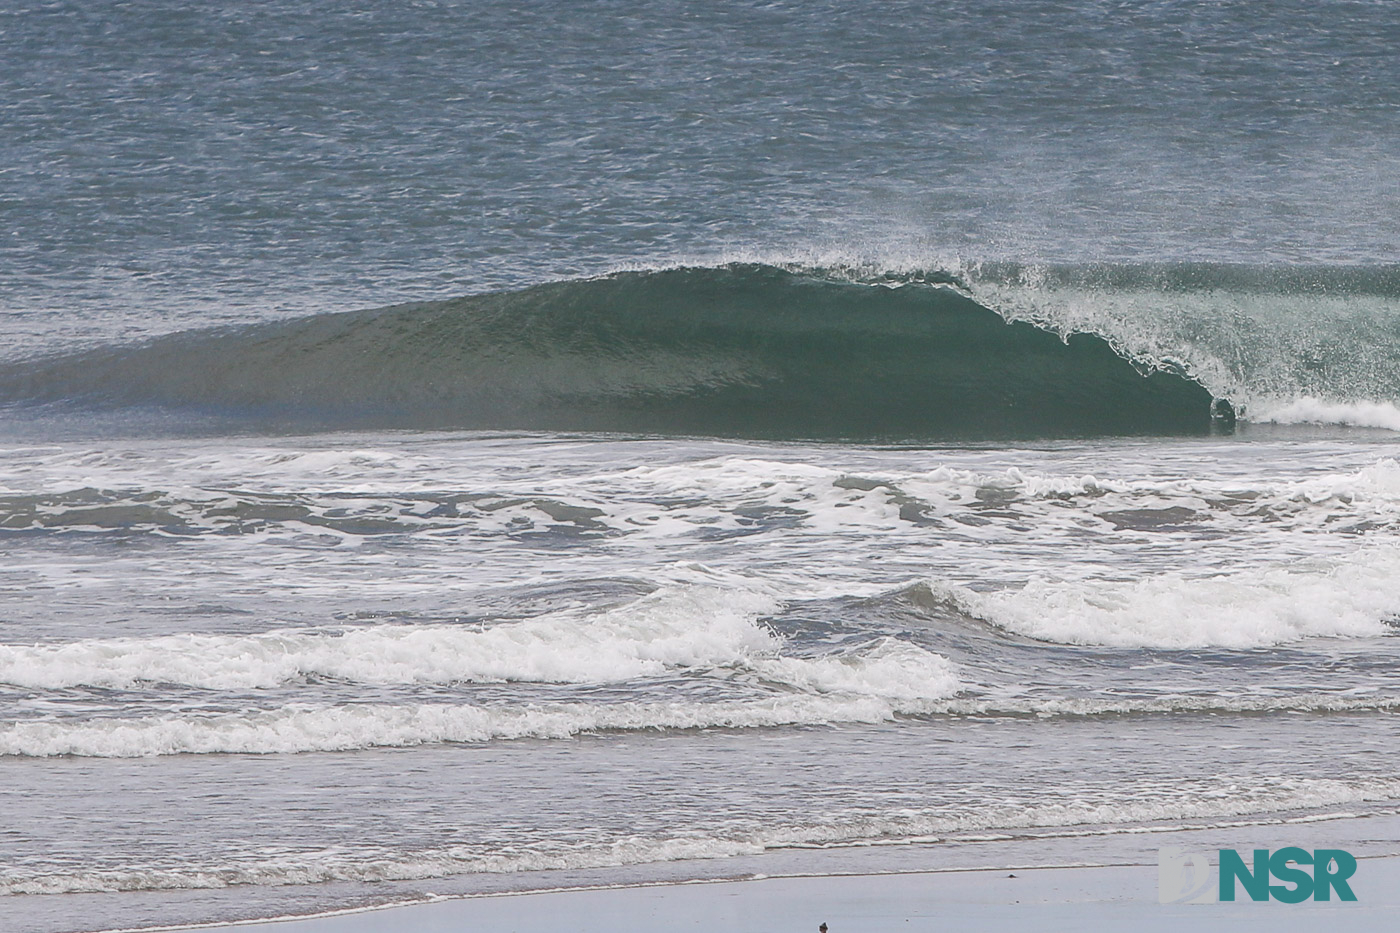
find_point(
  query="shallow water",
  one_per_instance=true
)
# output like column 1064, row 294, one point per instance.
column 413, row 657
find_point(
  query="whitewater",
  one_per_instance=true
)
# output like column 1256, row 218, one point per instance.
column 473, row 448
column 264, row 616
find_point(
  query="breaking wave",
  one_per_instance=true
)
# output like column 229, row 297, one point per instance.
column 1357, row 597
column 739, row 351
column 301, row 728
column 665, row 630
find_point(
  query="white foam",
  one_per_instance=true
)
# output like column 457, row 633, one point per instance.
column 676, row 627
column 892, row 669
column 636, row 505
column 834, row 501
column 1311, row 701
column 1308, row 410
column 1354, row 597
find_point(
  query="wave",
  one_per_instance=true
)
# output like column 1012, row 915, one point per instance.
column 741, row 350
column 665, row 630
column 303, row 728
column 1321, row 342
column 1358, row 597
column 306, row 728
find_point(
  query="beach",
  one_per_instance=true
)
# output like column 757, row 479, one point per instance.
column 1115, row 884
column 1039, row 898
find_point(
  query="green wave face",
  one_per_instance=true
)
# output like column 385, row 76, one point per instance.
column 739, row 351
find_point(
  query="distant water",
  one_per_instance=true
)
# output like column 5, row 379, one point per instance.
column 452, row 447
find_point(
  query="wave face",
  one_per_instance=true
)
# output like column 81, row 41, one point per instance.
column 737, row 351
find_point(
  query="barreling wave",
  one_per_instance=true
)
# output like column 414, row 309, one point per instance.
column 738, row 351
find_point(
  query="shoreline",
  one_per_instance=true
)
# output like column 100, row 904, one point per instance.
column 1114, row 873
column 1068, row 897
column 1105, row 884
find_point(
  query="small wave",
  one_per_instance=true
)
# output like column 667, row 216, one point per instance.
column 678, row 628
column 1051, row 707
column 1354, row 598
column 870, row 688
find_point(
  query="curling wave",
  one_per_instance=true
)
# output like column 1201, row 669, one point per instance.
column 737, row 351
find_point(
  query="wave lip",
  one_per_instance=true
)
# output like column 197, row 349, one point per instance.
column 742, row 351
column 1259, row 335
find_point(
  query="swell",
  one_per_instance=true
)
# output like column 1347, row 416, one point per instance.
column 736, row 351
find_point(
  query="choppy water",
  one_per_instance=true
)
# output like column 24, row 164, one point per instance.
column 459, row 447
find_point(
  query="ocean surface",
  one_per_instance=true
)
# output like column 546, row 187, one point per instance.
column 460, row 447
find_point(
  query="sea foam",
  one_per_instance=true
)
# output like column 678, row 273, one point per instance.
column 1355, row 597
column 299, row 728
column 686, row 626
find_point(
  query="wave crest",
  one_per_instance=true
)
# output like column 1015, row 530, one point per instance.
column 1354, row 598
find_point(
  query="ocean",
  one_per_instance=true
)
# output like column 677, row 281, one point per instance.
column 460, row 447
